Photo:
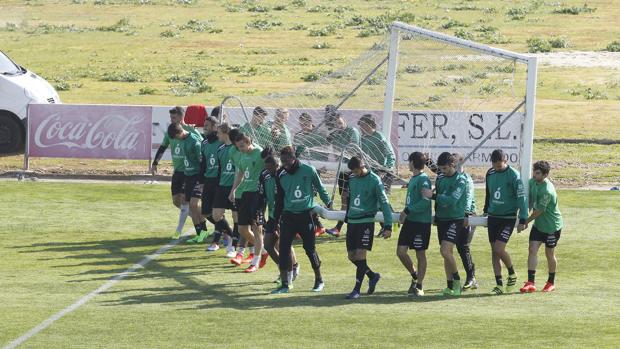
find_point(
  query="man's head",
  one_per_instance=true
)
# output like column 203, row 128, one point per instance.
column 282, row 115
column 222, row 132
column 356, row 165
column 541, row 170
column 243, row 142
column 367, row 124
column 460, row 160
column 258, row 116
column 233, row 134
column 417, row 161
column 176, row 115
column 499, row 160
column 175, row 131
column 271, row 163
column 210, row 124
column 446, row 163
column 288, row 158
column 305, row 121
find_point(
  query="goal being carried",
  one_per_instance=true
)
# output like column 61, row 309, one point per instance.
column 427, row 91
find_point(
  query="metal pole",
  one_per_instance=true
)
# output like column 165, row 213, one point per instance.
column 528, row 126
column 390, row 87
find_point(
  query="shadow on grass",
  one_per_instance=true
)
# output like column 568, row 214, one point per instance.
column 191, row 272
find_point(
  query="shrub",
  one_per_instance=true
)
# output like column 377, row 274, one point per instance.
column 538, row 45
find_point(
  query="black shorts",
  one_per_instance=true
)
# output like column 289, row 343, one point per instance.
column 176, row 185
column 270, row 226
column 360, row 236
column 193, row 187
column 500, row 229
column 221, row 198
column 550, row 240
column 449, row 231
column 415, row 235
column 249, row 209
column 208, row 195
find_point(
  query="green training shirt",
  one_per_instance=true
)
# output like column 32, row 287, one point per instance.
column 267, row 189
column 451, row 198
column 378, row 149
column 314, row 139
column 192, row 150
column 260, row 134
column 505, row 194
column 226, row 165
column 250, row 164
column 366, row 196
column 544, row 198
column 283, row 139
column 209, row 153
column 341, row 138
column 295, row 191
column 417, row 206
column 471, row 195
column 176, row 150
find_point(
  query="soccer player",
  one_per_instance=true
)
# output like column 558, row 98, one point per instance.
column 450, row 204
column 210, row 147
column 267, row 190
column 547, row 225
column 280, row 135
column 504, row 198
column 249, row 166
column 178, row 178
column 295, row 187
column 366, row 194
column 378, row 149
column 308, row 137
column 258, row 128
column 191, row 146
column 226, row 179
column 416, row 220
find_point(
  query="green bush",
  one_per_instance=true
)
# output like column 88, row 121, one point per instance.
column 538, row 45
column 613, row 46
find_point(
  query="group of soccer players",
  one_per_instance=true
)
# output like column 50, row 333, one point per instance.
column 256, row 169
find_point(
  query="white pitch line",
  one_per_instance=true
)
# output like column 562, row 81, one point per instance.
column 80, row 302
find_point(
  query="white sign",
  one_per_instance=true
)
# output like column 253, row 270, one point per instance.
column 435, row 132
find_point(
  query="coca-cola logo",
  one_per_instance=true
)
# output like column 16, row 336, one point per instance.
column 113, row 131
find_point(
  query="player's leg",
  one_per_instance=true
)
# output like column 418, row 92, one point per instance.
column 552, row 262
column 532, row 261
column 306, row 232
column 405, row 242
column 287, row 234
column 178, row 200
column 448, row 233
column 463, row 248
column 499, row 247
column 358, row 243
column 193, row 195
column 343, row 185
column 270, row 240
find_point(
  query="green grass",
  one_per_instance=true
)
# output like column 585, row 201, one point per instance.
column 61, row 241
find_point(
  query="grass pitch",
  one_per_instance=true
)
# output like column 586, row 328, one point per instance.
column 61, row 241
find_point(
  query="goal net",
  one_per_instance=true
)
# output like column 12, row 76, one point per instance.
column 425, row 91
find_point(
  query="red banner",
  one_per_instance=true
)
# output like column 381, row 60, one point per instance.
column 89, row 131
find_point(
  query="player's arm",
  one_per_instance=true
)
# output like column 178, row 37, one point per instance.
column 522, row 200
column 355, row 136
column 279, row 204
column 455, row 196
column 160, row 152
column 420, row 205
column 238, row 177
column 487, row 195
column 318, row 186
column 539, row 205
column 385, row 208
column 390, row 157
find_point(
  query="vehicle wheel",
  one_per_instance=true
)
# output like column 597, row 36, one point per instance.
column 11, row 135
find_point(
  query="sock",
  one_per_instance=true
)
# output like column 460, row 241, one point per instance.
column 289, row 278
column 511, row 270
column 531, row 275
column 284, row 278
column 455, row 276
column 551, row 278
column 255, row 260
column 359, row 276
column 498, row 280
column 183, row 213
column 339, row 225
column 200, row 227
column 235, row 234
column 414, row 275
column 418, row 286
column 216, row 237
column 369, row 273
column 241, row 250
column 450, row 284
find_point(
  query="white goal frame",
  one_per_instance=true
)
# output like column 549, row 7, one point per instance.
column 530, row 93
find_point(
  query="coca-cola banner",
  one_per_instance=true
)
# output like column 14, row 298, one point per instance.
column 89, row 131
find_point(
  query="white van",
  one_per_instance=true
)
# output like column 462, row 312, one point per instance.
column 18, row 88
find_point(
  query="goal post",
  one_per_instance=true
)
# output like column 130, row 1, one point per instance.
column 397, row 29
